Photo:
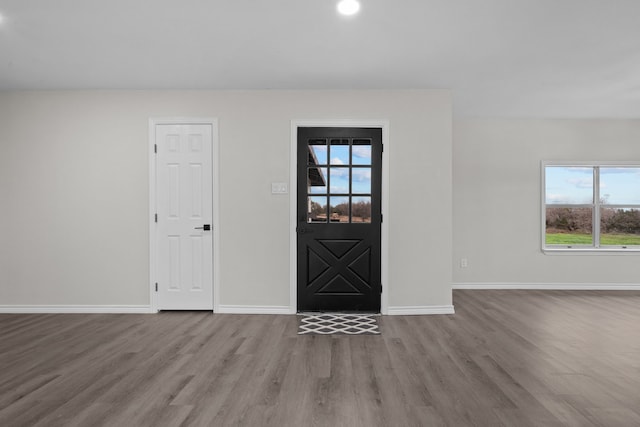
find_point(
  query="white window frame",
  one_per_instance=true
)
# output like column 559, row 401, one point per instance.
column 595, row 248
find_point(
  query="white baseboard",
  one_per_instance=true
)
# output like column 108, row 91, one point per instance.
column 420, row 310
column 87, row 309
column 253, row 309
column 550, row 286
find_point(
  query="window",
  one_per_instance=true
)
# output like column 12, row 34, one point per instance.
column 339, row 171
column 591, row 206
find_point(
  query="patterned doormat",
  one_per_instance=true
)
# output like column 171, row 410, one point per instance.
column 338, row 323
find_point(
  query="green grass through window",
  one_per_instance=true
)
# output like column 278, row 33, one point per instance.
column 586, row 239
column 569, row 239
column 620, row 239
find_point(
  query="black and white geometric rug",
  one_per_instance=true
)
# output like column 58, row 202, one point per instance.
column 338, row 323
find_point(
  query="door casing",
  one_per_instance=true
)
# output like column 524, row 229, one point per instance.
column 293, row 171
column 153, row 243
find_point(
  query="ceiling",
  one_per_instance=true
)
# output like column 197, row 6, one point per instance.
column 500, row 58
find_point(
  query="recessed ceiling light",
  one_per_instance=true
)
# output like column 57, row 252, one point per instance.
column 348, row 7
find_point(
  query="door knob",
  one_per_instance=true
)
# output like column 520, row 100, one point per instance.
column 205, row 227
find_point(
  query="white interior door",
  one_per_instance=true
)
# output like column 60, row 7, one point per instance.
column 184, row 205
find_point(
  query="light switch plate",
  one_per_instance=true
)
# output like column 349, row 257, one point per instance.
column 279, row 188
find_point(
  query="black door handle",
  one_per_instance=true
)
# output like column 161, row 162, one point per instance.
column 205, row 227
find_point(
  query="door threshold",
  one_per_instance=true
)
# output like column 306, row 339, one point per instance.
column 350, row 313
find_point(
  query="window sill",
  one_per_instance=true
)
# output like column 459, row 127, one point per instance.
column 635, row 250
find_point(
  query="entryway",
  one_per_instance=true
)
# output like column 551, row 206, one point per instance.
column 339, row 219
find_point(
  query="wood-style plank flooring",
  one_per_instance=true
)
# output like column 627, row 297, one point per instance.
column 506, row 358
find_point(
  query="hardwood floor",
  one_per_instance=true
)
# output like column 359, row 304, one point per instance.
column 512, row 358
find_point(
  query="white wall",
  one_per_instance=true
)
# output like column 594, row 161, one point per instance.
column 497, row 212
column 75, row 179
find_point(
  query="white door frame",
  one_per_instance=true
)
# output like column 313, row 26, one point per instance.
column 153, row 238
column 293, row 202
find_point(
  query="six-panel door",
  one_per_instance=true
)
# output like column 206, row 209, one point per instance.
column 184, row 208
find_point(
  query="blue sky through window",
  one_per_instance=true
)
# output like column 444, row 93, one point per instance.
column 620, row 186
column 338, row 155
column 574, row 185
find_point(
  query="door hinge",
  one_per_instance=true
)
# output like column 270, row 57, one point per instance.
column 381, row 218
column 155, row 148
column 382, row 148
column 156, row 217
column 156, row 287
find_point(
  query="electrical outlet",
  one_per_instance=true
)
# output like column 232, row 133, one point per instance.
column 464, row 263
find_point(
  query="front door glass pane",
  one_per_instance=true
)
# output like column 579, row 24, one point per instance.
column 317, row 180
column 339, row 152
column 339, row 178
column 361, row 152
column 318, row 152
column 339, row 209
column 317, row 209
column 361, row 210
column 361, row 180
